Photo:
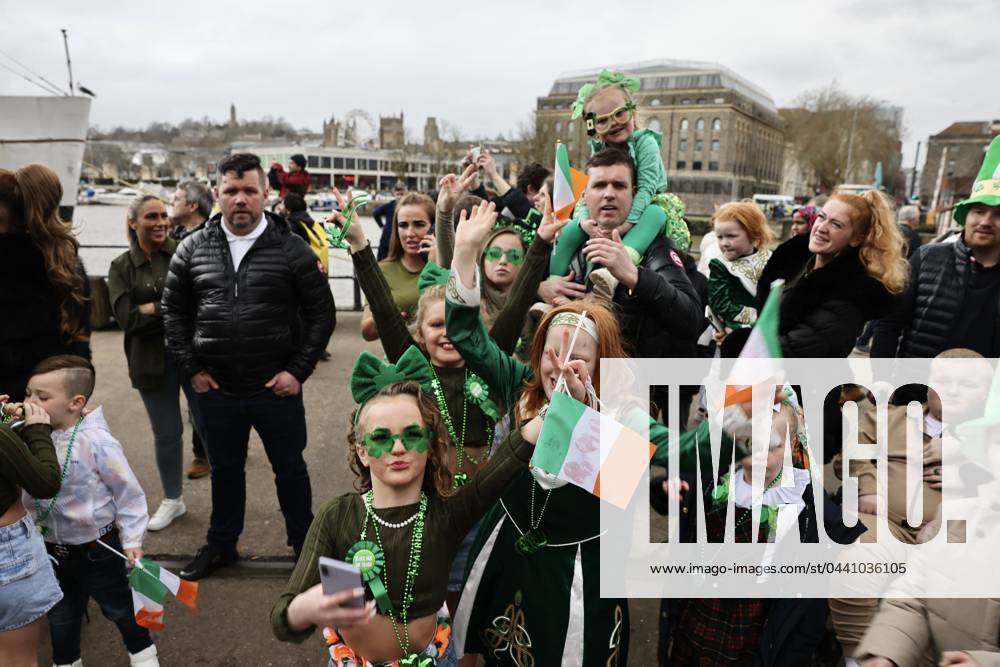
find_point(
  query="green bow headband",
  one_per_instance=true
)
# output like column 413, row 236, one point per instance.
column 432, row 275
column 604, row 79
column 370, row 374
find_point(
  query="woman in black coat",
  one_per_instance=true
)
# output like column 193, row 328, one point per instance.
column 43, row 288
column 846, row 271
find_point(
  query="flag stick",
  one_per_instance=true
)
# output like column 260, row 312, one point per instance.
column 137, row 563
column 569, row 351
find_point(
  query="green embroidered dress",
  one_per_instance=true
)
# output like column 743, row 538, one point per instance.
column 544, row 608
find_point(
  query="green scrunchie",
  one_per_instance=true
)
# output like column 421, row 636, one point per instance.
column 370, row 374
column 432, row 275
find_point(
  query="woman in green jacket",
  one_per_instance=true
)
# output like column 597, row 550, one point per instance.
column 135, row 281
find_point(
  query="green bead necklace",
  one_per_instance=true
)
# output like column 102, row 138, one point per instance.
column 40, row 514
column 412, row 569
column 460, row 477
column 765, row 509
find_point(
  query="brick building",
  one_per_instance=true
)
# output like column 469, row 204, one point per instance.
column 963, row 146
column 722, row 136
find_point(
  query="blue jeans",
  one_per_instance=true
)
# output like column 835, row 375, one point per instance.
column 281, row 424
column 95, row 573
column 163, row 406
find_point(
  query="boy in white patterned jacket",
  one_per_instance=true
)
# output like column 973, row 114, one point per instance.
column 100, row 499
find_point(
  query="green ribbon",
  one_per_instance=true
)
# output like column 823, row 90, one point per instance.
column 370, row 374
column 335, row 236
column 368, row 557
column 416, row 660
column 604, row 79
column 477, row 393
column 431, row 276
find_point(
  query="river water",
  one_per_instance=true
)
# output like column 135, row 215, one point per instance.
column 97, row 225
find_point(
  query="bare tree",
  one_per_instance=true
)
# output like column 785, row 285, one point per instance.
column 840, row 138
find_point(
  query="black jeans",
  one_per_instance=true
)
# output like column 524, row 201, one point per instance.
column 281, row 424
column 95, row 573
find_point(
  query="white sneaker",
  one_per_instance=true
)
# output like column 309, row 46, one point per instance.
column 147, row 656
column 538, row 311
column 167, row 512
column 604, row 284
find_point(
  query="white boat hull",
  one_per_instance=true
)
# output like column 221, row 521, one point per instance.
column 46, row 130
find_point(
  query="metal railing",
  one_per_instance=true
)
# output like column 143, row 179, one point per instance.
column 356, row 287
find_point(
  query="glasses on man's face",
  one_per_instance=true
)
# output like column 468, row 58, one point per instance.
column 515, row 256
column 381, row 441
column 604, row 122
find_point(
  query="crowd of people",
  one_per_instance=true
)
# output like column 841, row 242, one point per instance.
column 486, row 304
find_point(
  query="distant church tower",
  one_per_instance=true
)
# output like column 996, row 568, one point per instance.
column 232, row 115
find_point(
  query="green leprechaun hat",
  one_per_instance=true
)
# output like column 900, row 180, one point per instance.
column 986, row 189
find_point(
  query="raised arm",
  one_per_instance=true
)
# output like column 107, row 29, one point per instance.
column 389, row 322
column 450, row 188
column 509, row 322
column 464, row 327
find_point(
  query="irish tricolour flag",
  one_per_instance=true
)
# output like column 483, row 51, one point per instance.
column 568, row 185
column 760, row 358
column 580, row 445
column 150, row 585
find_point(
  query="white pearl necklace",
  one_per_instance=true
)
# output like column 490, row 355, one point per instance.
column 390, row 524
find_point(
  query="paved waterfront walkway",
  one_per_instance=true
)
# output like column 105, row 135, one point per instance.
column 231, row 625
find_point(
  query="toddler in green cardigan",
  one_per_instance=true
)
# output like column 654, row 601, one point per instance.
column 609, row 112
column 732, row 281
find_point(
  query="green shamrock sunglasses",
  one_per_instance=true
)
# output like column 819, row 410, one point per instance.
column 514, row 255
column 381, row 441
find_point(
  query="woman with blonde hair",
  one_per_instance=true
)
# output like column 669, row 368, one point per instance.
column 846, row 271
column 45, row 290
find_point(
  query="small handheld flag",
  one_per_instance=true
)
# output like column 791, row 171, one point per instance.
column 761, row 354
column 150, row 584
column 568, row 185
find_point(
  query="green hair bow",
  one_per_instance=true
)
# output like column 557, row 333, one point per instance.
column 370, row 374
column 432, row 275
column 604, row 79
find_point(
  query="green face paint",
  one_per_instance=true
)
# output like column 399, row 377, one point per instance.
column 514, row 255
column 414, row 437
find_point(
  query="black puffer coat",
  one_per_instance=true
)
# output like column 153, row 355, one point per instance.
column 243, row 328
column 822, row 311
column 921, row 323
column 662, row 316
column 30, row 324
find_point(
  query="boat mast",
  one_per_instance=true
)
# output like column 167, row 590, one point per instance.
column 69, row 65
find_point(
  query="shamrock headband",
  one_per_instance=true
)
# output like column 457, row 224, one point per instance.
column 604, row 79
column 526, row 228
column 571, row 319
column 370, row 374
column 432, row 275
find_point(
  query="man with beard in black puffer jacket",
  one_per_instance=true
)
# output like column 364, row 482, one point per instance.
column 231, row 310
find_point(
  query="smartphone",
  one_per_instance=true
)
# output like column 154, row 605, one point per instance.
column 336, row 576
column 426, row 253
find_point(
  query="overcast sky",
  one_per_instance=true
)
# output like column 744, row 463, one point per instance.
column 480, row 65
